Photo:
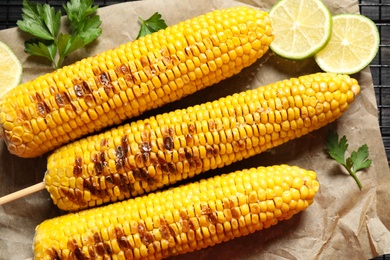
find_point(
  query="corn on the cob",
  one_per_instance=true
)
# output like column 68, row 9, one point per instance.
column 148, row 154
column 181, row 219
column 103, row 90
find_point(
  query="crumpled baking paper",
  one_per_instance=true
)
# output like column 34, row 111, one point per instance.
column 343, row 222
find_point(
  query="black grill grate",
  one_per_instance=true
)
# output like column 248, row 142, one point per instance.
column 379, row 12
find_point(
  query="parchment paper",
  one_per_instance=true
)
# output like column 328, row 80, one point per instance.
column 343, row 222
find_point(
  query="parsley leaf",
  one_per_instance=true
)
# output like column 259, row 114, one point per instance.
column 360, row 158
column 151, row 25
column 43, row 22
column 356, row 162
column 67, row 44
column 335, row 148
column 38, row 48
column 89, row 30
column 78, row 11
column 52, row 19
column 39, row 20
column 82, row 20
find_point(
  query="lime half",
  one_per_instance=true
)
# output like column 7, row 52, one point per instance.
column 301, row 28
column 10, row 69
column 353, row 45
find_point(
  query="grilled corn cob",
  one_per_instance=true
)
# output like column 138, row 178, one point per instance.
column 148, row 154
column 104, row 90
column 181, row 219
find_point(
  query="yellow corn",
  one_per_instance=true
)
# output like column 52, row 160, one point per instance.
column 181, row 219
column 148, row 154
column 104, row 90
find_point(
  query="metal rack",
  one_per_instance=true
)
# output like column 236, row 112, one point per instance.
column 379, row 12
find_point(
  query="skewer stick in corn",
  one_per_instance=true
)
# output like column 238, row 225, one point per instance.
column 108, row 88
column 181, row 219
column 22, row 193
column 149, row 154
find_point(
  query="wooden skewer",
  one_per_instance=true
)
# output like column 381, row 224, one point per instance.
column 22, row 193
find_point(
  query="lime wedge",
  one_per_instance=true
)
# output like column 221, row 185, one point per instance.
column 301, row 28
column 353, row 45
column 10, row 69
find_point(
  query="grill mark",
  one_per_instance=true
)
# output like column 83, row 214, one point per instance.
column 124, row 243
column 96, row 237
column 47, row 107
column 100, row 250
column 53, row 254
column 38, row 97
column 209, row 151
column 125, row 145
column 145, row 147
column 191, row 128
column 79, row 90
column 129, row 79
column 109, row 181
column 79, row 255
column 165, row 232
column 77, row 169
column 146, row 158
column 41, row 109
column 168, row 143
column 189, row 139
column 105, row 81
column 121, row 239
column 67, row 192
column 146, row 237
column 122, row 69
column 107, row 248
column 61, row 99
column 91, row 252
column 89, row 100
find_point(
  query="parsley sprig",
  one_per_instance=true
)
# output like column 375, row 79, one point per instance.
column 43, row 22
column 152, row 24
column 358, row 160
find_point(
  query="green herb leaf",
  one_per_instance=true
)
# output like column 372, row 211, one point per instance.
column 43, row 22
column 335, row 148
column 67, row 44
column 360, row 158
column 52, row 19
column 79, row 12
column 354, row 163
column 41, row 49
column 34, row 20
column 151, row 25
column 89, row 30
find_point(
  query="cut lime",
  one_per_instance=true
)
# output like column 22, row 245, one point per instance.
column 301, row 28
column 353, row 45
column 10, row 69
